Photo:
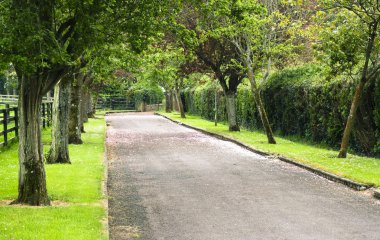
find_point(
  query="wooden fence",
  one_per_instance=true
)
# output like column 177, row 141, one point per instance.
column 9, row 120
column 9, row 123
column 12, row 99
column 115, row 103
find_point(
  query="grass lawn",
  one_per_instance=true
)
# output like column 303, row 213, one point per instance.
column 361, row 169
column 75, row 190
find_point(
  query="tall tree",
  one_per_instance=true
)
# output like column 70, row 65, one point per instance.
column 259, row 34
column 43, row 39
column 75, row 120
column 59, row 151
column 257, row 31
column 351, row 42
column 164, row 64
column 197, row 24
column 35, row 53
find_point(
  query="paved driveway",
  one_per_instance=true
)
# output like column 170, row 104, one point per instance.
column 170, row 182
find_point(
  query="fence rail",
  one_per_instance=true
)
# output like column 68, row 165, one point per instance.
column 9, row 121
column 115, row 103
column 12, row 99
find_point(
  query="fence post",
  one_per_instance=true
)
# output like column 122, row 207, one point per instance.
column 43, row 116
column 5, row 126
column 16, row 121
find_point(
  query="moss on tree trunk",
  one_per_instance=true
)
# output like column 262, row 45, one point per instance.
column 75, row 120
column 32, row 178
column 231, row 112
column 59, row 151
column 180, row 103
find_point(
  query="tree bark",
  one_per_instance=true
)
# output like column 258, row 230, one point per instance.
column 91, row 108
column 168, row 102
column 174, row 101
column 143, row 106
column 171, row 101
column 216, row 107
column 351, row 120
column 231, row 112
column 84, row 106
column 32, row 178
column 75, row 121
column 59, row 150
column 180, row 103
column 263, row 116
column 358, row 91
column 260, row 106
column 94, row 105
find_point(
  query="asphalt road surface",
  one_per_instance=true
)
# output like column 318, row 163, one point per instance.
column 169, row 182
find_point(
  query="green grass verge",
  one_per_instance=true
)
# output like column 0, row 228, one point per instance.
column 76, row 188
column 361, row 169
column 53, row 223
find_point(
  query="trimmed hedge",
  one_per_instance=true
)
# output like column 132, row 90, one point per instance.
column 301, row 102
column 151, row 94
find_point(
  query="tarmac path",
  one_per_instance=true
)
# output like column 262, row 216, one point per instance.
column 166, row 181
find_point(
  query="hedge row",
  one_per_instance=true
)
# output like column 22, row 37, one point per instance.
column 301, row 102
column 151, row 94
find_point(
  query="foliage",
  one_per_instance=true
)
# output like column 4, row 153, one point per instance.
column 301, row 101
column 260, row 34
column 3, row 80
column 344, row 39
column 377, row 115
column 359, row 50
column 147, row 93
column 162, row 65
column 197, row 24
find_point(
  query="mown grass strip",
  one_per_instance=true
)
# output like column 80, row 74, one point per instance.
column 51, row 223
column 75, row 190
column 357, row 168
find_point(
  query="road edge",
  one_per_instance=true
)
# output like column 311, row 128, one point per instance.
column 105, row 181
column 329, row 176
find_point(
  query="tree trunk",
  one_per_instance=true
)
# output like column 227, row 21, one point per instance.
column 180, row 103
column 351, row 120
column 263, row 116
column 32, row 179
column 171, row 101
column 262, row 113
column 231, row 112
column 91, row 109
column 84, row 105
column 89, row 104
column 94, row 105
column 259, row 103
column 75, row 121
column 216, row 107
column 83, row 108
column 59, row 151
column 174, row 101
column 359, row 90
column 168, row 102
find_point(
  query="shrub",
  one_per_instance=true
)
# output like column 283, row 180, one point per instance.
column 303, row 102
column 150, row 94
